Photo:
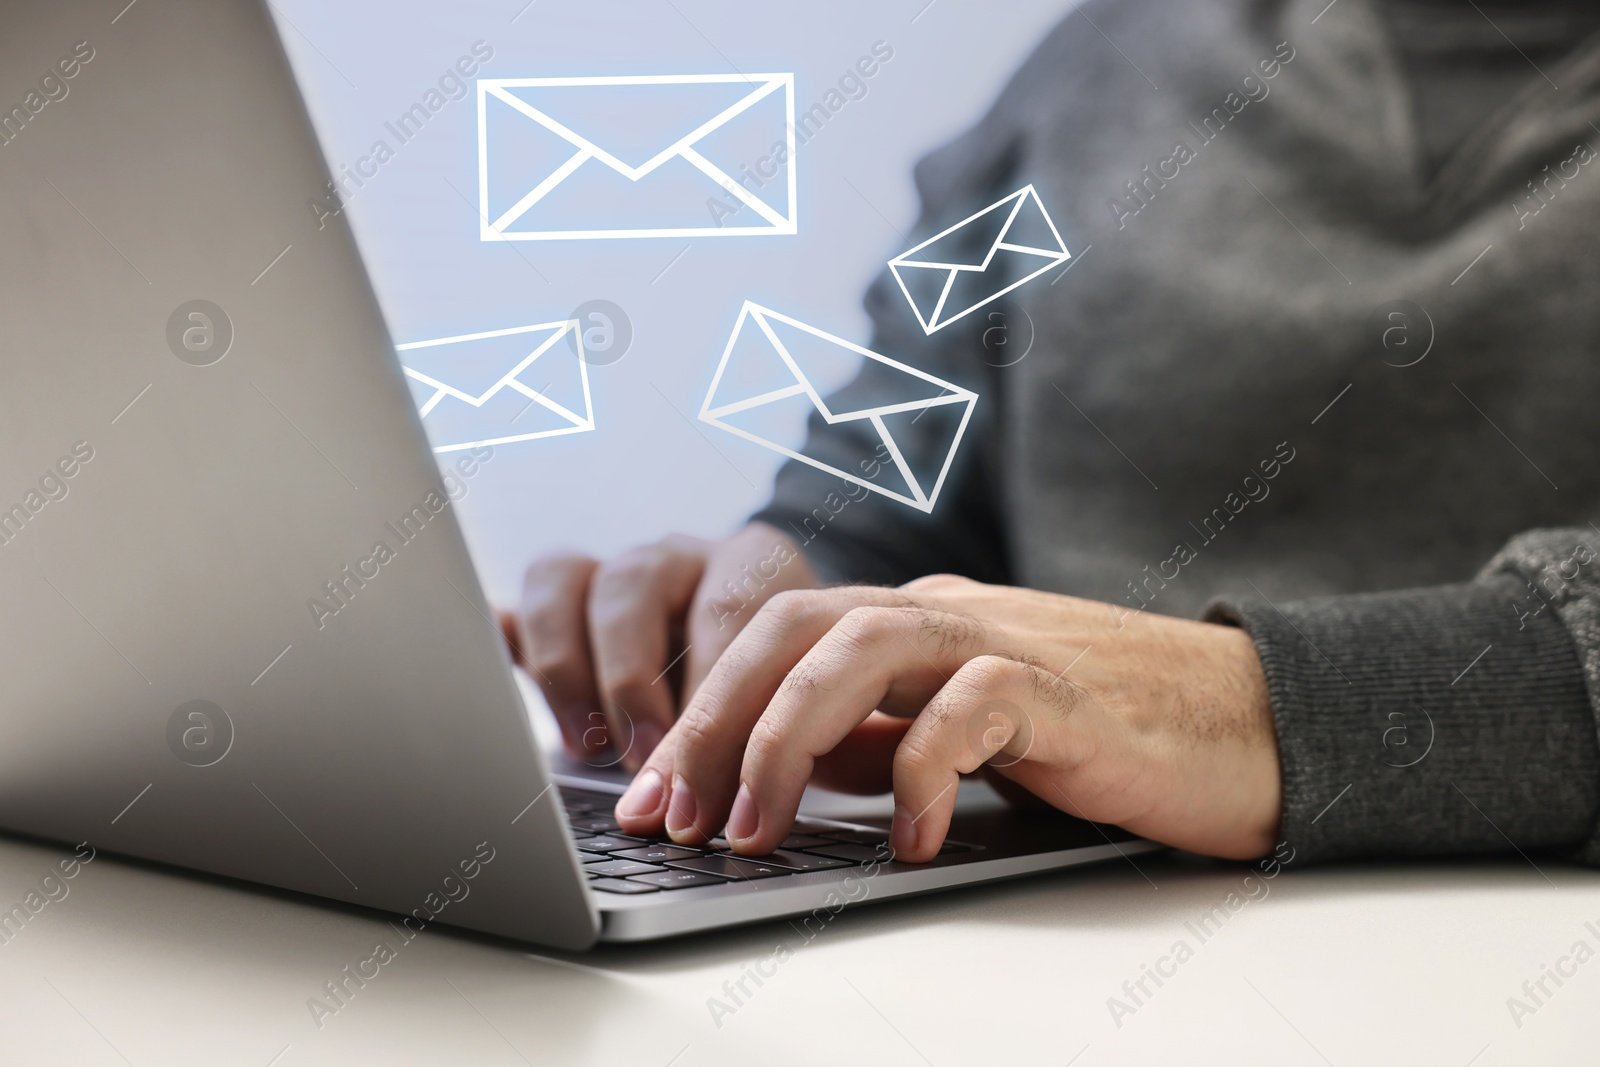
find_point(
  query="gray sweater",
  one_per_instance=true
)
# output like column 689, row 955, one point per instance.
column 1324, row 351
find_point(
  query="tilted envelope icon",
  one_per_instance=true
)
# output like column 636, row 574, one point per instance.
column 778, row 364
column 501, row 386
column 976, row 261
column 677, row 155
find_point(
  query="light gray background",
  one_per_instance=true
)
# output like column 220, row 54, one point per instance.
column 647, row 469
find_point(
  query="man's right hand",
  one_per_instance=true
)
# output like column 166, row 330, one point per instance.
column 618, row 647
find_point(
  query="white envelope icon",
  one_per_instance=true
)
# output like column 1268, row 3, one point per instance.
column 976, row 261
column 677, row 155
column 771, row 367
column 501, row 386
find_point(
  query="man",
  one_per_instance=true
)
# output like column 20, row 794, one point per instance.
column 1323, row 355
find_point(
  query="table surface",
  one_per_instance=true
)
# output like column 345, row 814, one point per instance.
column 1339, row 965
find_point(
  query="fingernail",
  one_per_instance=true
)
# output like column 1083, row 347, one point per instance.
column 643, row 796
column 680, row 810
column 903, row 831
column 744, row 820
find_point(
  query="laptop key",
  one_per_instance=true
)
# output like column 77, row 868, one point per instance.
column 599, row 824
column 657, row 853
column 679, row 879
column 622, row 885
column 622, row 868
column 607, row 843
column 855, row 853
column 804, row 841
column 857, row 837
column 593, row 857
column 738, row 869
column 802, row 861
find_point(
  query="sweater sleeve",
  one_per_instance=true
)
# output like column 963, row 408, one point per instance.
column 1454, row 719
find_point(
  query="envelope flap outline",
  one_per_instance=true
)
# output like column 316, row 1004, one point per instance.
column 920, row 496
column 510, row 378
column 1025, row 197
column 763, row 317
column 763, row 85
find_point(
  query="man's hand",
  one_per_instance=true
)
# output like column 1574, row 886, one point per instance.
column 599, row 638
column 1157, row 724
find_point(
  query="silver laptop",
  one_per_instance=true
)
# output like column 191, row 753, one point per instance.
column 196, row 452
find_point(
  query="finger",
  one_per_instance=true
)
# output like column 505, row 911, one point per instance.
column 895, row 658
column 988, row 714
column 511, row 632
column 555, row 645
column 696, row 768
column 635, row 603
column 863, row 762
column 742, row 574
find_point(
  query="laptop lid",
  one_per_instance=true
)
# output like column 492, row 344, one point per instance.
column 244, row 634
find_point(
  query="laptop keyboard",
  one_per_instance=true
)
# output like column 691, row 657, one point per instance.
column 614, row 862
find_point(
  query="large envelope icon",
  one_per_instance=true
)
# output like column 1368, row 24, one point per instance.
column 501, row 386
column 769, row 362
column 681, row 155
column 978, row 260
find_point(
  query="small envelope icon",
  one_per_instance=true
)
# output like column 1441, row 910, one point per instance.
column 678, row 155
column 502, row 386
column 978, row 260
column 766, row 372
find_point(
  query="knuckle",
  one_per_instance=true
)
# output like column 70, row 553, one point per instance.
column 934, row 584
column 679, row 544
column 789, row 609
column 866, row 625
column 696, row 729
column 548, row 575
column 764, row 746
column 633, row 570
column 987, row 674
column 915, row 754
column 791, row 603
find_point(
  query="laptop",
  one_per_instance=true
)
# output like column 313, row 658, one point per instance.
column 206, row 435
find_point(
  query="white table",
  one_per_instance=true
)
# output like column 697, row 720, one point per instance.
column 1340, row 965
